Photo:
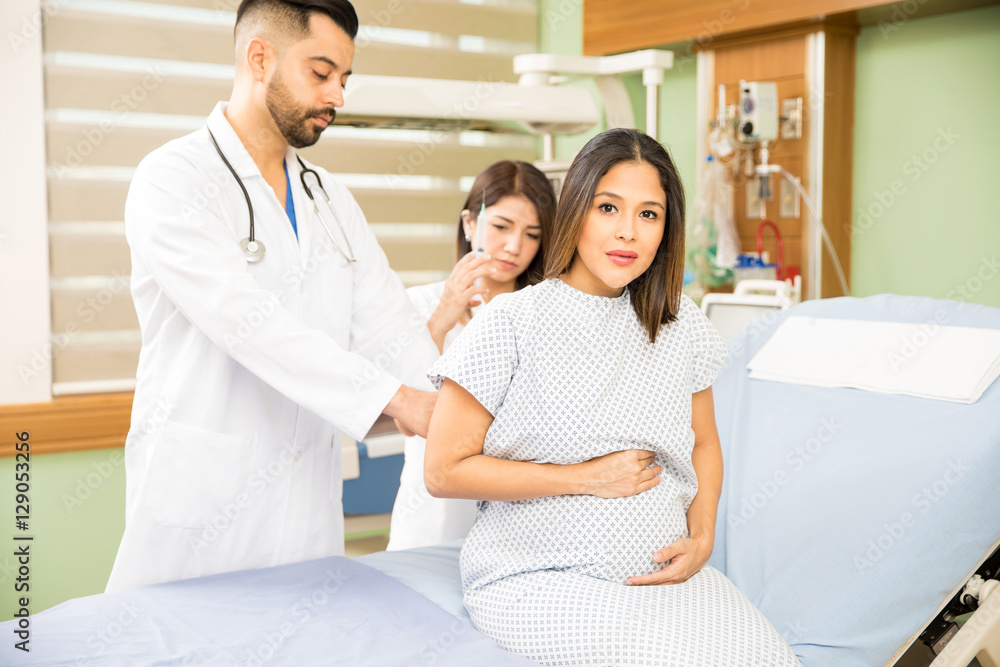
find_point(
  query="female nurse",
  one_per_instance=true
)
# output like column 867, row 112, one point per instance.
column 520, row 207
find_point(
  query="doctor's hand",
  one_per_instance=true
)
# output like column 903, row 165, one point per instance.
column 460, row 293
column 411, row 410
column 686, row 556
column 620, row 474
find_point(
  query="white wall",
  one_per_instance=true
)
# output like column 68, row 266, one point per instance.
column 25, row 351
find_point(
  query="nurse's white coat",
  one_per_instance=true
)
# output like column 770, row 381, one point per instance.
column 249, row 372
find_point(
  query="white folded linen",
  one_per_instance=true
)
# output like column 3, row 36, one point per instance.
column 927, row 360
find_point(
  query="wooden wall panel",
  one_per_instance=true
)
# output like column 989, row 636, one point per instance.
column 838, row 155
column 72, row 423
column 612, row 26
column 782, row 60
column 782, row 57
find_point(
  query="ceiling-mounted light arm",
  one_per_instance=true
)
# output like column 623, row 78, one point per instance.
column 652, row 79
column 542, row 69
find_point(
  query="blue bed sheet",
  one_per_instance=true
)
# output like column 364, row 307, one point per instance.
column 332, row 611
column 848, row 517
column 431, row 571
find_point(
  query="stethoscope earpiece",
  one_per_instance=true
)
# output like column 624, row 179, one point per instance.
column 254, row 251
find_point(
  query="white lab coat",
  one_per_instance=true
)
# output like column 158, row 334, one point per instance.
column 249, row 372
column 418, row 518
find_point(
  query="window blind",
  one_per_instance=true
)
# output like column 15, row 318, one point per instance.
column 123, row 77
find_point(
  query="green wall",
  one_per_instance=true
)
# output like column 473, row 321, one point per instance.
column 927, row 99
column 77, row 514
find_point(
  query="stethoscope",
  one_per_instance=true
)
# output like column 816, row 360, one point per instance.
column 252, row 248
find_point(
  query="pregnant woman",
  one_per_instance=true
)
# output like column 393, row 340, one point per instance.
column 605, row 355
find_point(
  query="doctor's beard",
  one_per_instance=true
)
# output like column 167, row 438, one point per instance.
column 291, row 119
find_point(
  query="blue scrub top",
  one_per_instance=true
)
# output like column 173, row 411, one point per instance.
column 289, row 204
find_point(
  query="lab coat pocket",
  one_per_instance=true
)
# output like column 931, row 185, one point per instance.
column 196, row 474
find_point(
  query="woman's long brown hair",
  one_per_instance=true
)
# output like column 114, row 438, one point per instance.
column 656, row 294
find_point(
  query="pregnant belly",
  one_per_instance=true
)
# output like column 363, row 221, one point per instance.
column 611, row 539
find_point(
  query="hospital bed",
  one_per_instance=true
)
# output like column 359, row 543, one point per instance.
column 331, row 611
column 850, row 518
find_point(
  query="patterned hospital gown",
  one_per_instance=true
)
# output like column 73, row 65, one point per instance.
column 569, row 376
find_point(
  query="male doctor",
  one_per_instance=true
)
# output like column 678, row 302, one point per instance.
column 253, row 363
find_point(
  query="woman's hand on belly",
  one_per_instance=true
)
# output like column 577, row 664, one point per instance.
column 686, row 556
column 620, row 474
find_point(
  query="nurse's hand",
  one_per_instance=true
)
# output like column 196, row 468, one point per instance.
column 621, row 474
column 411, row 410
column 460, row 293
column 686, row 556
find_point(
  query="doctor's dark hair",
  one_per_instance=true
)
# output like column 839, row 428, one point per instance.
column 656, row 294
column 512, row 178
column 295, row 13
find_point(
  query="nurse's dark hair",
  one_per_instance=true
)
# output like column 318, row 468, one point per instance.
column 294, row 15
column 656, row 294
column 512, row 178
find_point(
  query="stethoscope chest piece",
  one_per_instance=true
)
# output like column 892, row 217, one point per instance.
column 252, row 250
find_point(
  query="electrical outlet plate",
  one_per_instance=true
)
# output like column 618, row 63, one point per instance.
column 791, row 118
column 789, row 200
column 753, row 200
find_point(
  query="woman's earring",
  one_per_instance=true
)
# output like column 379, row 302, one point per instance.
column 467, row 239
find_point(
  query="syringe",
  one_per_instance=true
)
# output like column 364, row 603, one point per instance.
column 481, row 235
